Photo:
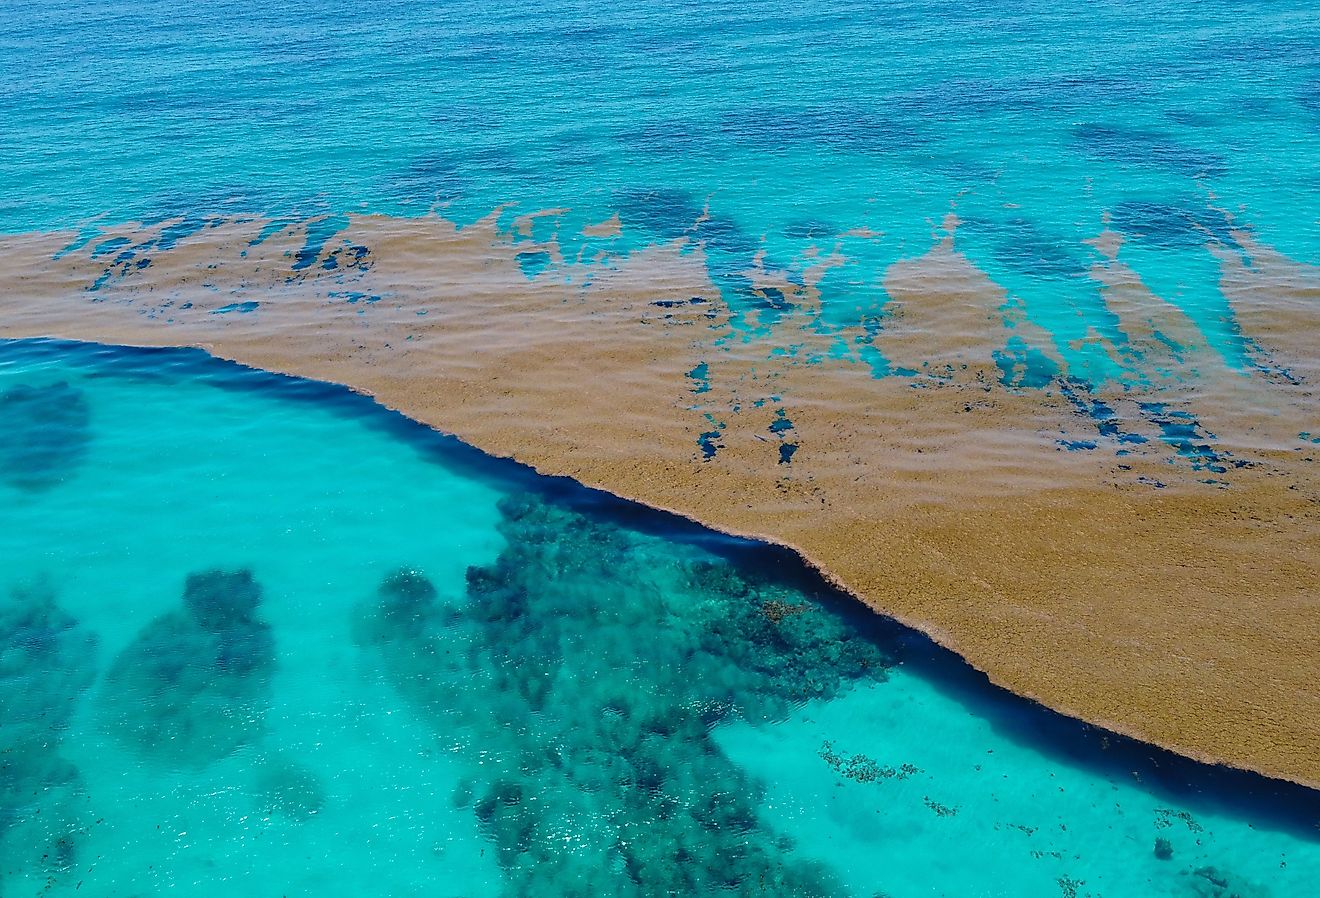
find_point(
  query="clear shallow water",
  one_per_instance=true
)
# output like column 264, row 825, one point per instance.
column 793, row 125
column 425, row 672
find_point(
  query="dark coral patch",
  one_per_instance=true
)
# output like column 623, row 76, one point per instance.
column 665, row 212
column 1079, row 394
column 590, row 669
column 288, row 788
column 722, row 234
column 1170, row 226
column 1022, row 245
column 195, row 684
column 435, row 177
column 1148, row 149
column 840, row 125
column 810, row 229
column 670, row 137
column 46, row 663
column 222, row 600
column 406, row 599
column 44, row 434
column 1214, row 882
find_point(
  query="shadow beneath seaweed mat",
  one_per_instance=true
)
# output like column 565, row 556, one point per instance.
column 583, row 676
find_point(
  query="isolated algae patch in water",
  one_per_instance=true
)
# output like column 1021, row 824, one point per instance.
column 195, row 684
column 584, row 672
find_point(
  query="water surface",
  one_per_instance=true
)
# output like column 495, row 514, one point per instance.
column 797, row 128
column 261, row 632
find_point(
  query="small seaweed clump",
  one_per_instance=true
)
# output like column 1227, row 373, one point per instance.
column 44, row 433
column 46, row 663
column 861, row 769
column 586, row 669
column 195, row 683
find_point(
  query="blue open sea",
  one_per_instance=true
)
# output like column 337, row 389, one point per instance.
column 261, row 637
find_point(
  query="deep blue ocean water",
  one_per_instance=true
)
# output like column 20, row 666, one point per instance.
column 263, row 639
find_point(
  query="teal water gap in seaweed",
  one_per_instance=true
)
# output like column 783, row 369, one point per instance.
column 260, row 632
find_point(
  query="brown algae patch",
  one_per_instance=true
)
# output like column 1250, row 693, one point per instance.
column 1142, row 553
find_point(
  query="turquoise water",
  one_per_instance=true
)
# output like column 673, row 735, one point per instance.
column 262, row 636
column 792, row 124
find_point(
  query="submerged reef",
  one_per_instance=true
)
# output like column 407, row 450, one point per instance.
column 46, row 663
column 44, row 432
column 585, row 672
column 195, row 683
column 288, row 788
column 1212, row 882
